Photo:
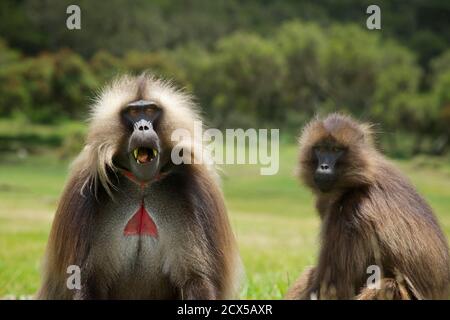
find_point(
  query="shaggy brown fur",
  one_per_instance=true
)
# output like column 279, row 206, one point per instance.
column 199, row 261
column 372, row 216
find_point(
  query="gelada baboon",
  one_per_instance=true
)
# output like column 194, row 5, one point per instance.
column 371, row 215
column 136, row 224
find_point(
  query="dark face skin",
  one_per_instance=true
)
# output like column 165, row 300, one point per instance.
column 327, row 155
column 141, row 154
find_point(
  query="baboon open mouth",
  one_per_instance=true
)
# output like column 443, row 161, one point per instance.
column 144, row 155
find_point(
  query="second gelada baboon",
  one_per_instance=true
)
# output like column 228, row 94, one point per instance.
column 374, row 222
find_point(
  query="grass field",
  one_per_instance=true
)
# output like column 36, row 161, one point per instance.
column 273, row 218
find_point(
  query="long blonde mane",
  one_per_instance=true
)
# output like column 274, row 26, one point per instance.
column 106, row 133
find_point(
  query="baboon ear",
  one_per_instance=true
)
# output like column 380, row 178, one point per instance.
column 366, row 132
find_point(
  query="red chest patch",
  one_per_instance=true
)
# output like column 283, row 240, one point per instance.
column 141, row 224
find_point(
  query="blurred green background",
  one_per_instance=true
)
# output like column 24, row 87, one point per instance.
column 254, row 63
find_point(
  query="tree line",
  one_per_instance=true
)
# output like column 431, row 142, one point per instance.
column 246, row 79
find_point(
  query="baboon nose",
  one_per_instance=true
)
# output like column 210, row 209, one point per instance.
column 143, row 125
column 143, row 128
column 324, row 167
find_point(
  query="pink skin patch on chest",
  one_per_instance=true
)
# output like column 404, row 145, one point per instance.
column 141, row 224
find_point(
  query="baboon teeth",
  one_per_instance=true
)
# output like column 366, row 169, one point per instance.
column 144, row 155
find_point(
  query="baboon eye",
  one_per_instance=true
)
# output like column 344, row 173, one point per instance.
column 318, row 148
column 134, row 112
column 150, row 111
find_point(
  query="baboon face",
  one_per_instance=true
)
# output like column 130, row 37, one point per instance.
column 328, row 154
column 140, row 153
column 336, row 153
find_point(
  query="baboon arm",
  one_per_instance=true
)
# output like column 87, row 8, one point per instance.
column 69, row 239
column 82, row 294
column 390, row 289
column 217, row 277
column 303, row 287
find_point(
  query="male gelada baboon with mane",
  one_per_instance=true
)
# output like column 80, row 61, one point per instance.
column 371, row 216
column 137, row 225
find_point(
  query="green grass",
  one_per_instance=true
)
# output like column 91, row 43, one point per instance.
column 273, row 218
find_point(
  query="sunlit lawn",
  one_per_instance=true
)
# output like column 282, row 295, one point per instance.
column 273, row 218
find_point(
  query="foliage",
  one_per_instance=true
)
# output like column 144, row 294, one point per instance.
column 119, row 26
column 58, row 83
column 245, row 79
